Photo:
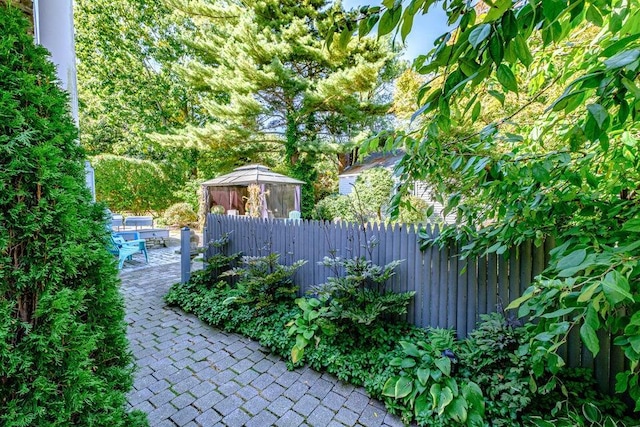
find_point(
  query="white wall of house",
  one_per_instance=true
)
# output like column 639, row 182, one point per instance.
column 345, row 183
column 53, row 29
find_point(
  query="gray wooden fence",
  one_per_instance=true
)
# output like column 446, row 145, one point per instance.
column 450, row 292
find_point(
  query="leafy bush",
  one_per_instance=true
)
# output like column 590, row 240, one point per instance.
column 263, row 281
column 180, row 215
column 335, row 206
column 63, row 350
column 126, row 184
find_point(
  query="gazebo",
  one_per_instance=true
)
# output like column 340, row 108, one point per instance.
column 279, row 194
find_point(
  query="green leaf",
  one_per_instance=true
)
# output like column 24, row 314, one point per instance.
column 591, row 412
column 587, row 293
column 497, row 95
column 509, row 25
column 389, row 20
column 507, row 78
column 389, row 388
column 496, row 50
column 497, row 9
column 407, row 23
column 616, row 287
column 403, row 387
column 434, row 391
column 540, row 173
column 444, row 364
column 446, row 397
column 297, row 353
column 599, row 114
column 594, row 16
column 590, row 338
column 632, row 225
column 559, row 313
column 522, row 50
column 458, row 409
column 475, row 113
column 408, row 362
column 574, row 259
column 423, row 375
column 410, row 348
column 479, row 34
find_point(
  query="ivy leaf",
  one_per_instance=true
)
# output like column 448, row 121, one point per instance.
column 622, row 59
column 616, row 287
column 506, row 78
column 479, row 34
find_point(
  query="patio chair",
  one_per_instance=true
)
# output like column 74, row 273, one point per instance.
column 294, row 216
column 125, row 250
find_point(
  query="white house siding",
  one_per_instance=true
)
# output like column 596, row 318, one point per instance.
column 345, row 184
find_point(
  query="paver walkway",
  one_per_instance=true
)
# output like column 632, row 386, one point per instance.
column 190, row 374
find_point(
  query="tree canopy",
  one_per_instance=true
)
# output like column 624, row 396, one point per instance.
column 270, row 85
column 556, row 157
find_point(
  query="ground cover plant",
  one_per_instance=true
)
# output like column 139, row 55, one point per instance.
column 63, row 352
column 425, row 376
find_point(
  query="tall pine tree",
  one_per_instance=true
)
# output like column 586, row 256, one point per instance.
column 273, row 86
column 63, row 350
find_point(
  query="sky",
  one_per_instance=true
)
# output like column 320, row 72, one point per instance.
column 426, row 28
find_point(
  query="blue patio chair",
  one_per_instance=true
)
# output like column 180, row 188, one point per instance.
column 125, row 249
column 294, row 215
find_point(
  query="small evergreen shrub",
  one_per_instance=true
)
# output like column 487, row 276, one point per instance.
column 180, row 215
column 64, row 356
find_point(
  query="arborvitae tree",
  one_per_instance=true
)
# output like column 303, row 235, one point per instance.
column 273, row 87
column 63, row 350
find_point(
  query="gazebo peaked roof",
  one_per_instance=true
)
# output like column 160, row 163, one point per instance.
column 250, row 174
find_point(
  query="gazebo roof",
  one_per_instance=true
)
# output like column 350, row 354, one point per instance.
column 250, row 174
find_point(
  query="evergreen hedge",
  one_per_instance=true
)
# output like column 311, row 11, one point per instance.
column 64, row 356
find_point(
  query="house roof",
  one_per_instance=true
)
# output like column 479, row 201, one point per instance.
column 385, row 160
column 251, row 174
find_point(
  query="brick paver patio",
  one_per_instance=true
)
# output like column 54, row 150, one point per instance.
column 190, row 374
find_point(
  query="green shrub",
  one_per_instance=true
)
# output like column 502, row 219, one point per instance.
column 180, row 215
column 64, row 356
column 333, row 207
column 263, row 281
column 133, row 185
